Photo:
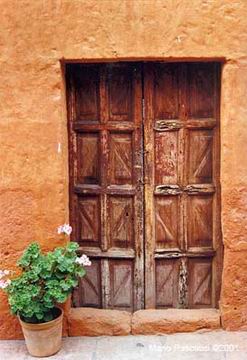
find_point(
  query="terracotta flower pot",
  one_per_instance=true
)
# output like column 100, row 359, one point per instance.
column 43, row 339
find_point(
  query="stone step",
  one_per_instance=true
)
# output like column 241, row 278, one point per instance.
column 153, row 322
column 97, row 322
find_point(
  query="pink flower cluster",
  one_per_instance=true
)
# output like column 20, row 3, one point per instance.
column 4, row 283
column 64, row 229
column 83, row 260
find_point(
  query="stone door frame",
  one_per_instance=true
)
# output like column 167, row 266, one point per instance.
column 80, row 314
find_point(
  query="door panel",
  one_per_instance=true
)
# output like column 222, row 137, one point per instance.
column 121, row 284
column 200, row 162
column 106, row 201
column 182, row 192
column 200, row 282
column 167, row 277
column 200, row 221
column 89, row 291
column 120, row 170
column 88, row 164
column 166, row 157
column 89, row 222
column 86, row 94
column 166, row 82
column 201, row 82
column 120, row 224
column 166, row 229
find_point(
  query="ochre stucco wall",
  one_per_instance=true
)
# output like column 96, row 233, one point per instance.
column 34, row 37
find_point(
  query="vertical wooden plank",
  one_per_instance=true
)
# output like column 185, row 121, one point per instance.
column 104, row 98
column 149, row 186
column 182, row 153
column 183, row 140
column 217, row 244
column 139, row 200
column 70, row 94
column 104, row 158
column 105, row 284
column 103, row 165
column 104, row 114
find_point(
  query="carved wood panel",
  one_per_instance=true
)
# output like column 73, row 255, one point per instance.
column 200, row 221
column 86, row 93
column 88, row 158
column 200, row 162
column 200, row 282
column 201, row 83
column 166, row 157
column 89, row 222
column 121, row 284
column 121, row 158
column 166, row 91
column 121, row 221
column 167, row 231
column 167, row 278
column 89, row 292
column 120, row 93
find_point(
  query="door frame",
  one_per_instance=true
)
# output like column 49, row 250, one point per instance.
column 149, row 303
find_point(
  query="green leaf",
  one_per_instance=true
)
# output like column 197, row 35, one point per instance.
column 72, row 247
column 39, row 316
column 80, row 272
column 30, row 254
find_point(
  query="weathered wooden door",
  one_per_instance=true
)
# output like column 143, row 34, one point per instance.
column 182, row 189
column 144, row 183
column 106, row 192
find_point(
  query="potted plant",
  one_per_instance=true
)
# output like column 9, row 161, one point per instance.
column 46, row 280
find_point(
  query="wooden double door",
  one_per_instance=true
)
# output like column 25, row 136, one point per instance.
column 144, row 183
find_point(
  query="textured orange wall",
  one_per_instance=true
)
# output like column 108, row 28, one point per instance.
column 34, row 37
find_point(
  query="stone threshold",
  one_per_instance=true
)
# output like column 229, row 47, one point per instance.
column 98, row 322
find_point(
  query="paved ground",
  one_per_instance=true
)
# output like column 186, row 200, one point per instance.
column 217, row 345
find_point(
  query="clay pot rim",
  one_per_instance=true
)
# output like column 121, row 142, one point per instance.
column 44, row 325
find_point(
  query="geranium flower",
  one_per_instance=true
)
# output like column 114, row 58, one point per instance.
column 83, row 260
column 4, row 273
column 4, row 283
column 64, row 229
